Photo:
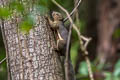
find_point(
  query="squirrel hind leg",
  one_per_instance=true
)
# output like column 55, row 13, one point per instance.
column 60, row 44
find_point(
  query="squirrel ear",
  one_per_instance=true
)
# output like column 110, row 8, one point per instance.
column 53, row 12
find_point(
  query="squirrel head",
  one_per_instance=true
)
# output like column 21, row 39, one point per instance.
column 57, row 16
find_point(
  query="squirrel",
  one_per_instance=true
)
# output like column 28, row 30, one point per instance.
column 60, row 31
column 61, row 34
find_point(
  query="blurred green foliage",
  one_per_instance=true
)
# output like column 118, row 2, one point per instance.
column 83, row 70
column 27, row 23
column 4, row 12
column 116, row 73
column 74, row 51
column 25, row 26
column 116, row 33
column 42, row 9
column 16, row 5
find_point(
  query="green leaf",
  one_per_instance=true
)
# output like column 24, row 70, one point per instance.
column 116, row 78
column 31, row 18
column 44, row 2
column 17, row 5
column 74, row 52
column 108, row 76
column 20, row 7
column 116, row 33
column 81, row 24
column 4, row 12
column 83, row 70
column 26, row 25
column 116, row 72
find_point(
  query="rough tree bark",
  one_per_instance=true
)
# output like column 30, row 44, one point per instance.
column 31, row 56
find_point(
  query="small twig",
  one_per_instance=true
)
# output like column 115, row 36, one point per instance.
column 86, row 44
column 3, row 60
column 76, row 11
column 89, row 67
column 73, row 11
column 67, row 57
column 69, row 71
column 84, row 38
column 81, row 42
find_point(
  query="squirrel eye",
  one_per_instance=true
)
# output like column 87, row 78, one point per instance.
column 57, row 14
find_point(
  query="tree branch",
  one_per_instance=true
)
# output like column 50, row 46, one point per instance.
column 73, row 11
column 68, row 66
column 3, row 60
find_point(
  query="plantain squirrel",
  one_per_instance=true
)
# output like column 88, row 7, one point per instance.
column 60, row 31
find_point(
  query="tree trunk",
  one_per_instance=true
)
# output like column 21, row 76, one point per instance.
column 109, row 20
column 31, row 56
